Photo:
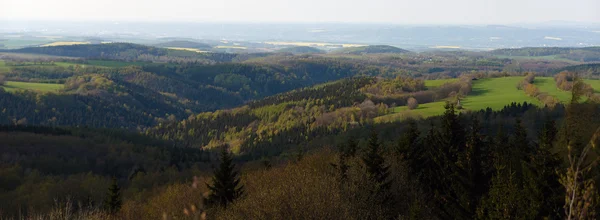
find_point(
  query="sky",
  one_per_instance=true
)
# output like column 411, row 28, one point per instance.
column 306, row 11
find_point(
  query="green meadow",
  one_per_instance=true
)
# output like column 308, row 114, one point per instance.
column 3, row 67
column 495, row 93
column 438, row 82
column 547, row 84
column 594, row 83
column 11, row 86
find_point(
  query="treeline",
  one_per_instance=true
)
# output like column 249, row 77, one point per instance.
column 528, row 86
column 455, row 90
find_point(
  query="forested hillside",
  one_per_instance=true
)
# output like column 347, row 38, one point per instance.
column 434, row 135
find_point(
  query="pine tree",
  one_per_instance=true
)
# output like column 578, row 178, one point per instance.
column 342, row 166
column 545, row 163
column 112, row 203
column 408, row 139
column 226, row 186
column 378, row 173
column 375, row 163
column 351, row 147
column 471, row 163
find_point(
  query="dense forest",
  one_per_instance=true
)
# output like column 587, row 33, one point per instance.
column 300, row 136
column 585, row 54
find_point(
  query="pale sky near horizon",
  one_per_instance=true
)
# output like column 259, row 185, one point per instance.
column 351, row 11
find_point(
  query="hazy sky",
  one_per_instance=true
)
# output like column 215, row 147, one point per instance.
column 380, row 11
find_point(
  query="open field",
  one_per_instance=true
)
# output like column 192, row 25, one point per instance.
column 112, row 63
column 231, row 47
column 438, row 82
column 20, row 43
column 188, row 49
column 496, row 93
column 594, row 83
column 547, row 84
column 312, row 44
column 65, row 43
column 3, row 67
column 423, row 111
column 492, row 92
column 40, row 87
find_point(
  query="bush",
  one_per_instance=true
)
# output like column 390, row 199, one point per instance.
column 412, row 103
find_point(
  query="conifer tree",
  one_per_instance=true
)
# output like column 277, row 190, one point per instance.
column 546, row 164
column 408, row 139
column 226, row 186
column 377, row 170
column 112, row 203
column 351, row 147
column 378, row 173
column 342, row 166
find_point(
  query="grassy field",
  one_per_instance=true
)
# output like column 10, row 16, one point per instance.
column 547, row 84
column 3, row 67
column 111, row 63
column 423, row 111
column 496, row 93
column 594, row 83
column 438, row 82
column 40, row 87
column 492, row 92
column 231, row 47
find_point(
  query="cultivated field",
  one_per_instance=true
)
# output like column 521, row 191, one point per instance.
column 231, row 47
column 65, row 43
column 312, row 44
column 11, row 86
column 188, row 49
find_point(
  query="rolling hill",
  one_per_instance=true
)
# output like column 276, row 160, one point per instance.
column 300, row 50
column 184, row 44
column 372, row 49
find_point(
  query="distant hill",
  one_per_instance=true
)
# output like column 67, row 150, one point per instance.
column 184, row 44
column 300, row 50
column 581, row 54
column 111, row 50
column 371, row 49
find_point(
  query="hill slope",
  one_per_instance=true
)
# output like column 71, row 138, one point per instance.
column 184, row 44
column 300, row 50
column 371, row 50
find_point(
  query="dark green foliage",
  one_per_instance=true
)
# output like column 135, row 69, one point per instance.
column 300, row 50
column 225, row 187
column 375, row 163
column 113, row 197
column 409, row 139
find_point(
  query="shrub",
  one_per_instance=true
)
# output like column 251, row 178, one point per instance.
column 412, row 103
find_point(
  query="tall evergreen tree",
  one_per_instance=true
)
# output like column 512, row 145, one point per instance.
column 112, row 203
column 545, row 164
column 409, row 140
column 378, row 174
column 377, row 170
column 226, row 186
